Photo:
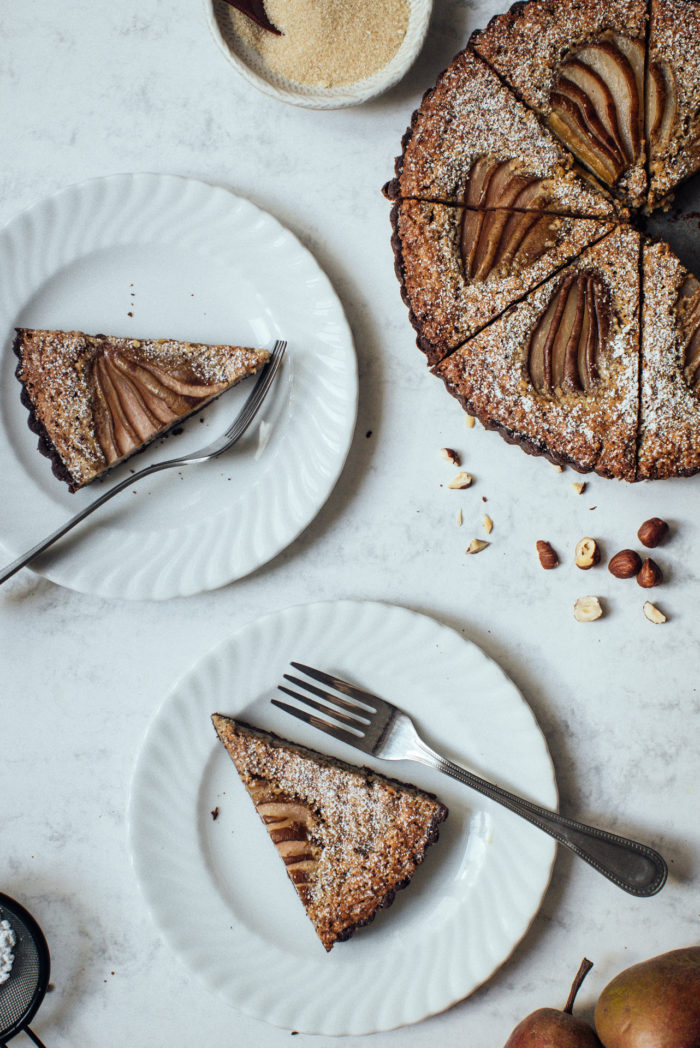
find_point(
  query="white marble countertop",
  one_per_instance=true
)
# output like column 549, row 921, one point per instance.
column 95, row 88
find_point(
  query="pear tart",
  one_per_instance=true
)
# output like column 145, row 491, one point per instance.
column 558, row 372
column 349, row 837
column 473, row 142
column 673, row 96
column 669, row 437
column 460, row 268
column 580, row 66
column 96, row 400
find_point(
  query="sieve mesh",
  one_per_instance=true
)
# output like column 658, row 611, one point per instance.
column 21, row 995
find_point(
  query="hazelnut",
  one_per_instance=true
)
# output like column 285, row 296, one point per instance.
column 650, row 574
column 462, row 480
column 459, row 517
column 476, row 546
column 579, row 486
column 652, row 532
column 469, row 422
column 558, row 469
column 587, row 554
column 587, row 609
column 487, row 523
column 652, row 613
column 451, row 456
column 625, row 564
column 548, row 556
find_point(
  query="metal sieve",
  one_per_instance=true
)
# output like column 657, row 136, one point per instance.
column 24, row 991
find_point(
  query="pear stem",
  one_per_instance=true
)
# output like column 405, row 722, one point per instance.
column 583, row 971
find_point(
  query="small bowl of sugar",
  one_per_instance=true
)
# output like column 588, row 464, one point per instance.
column 329, row 54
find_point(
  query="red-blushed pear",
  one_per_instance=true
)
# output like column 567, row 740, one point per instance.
column 551, row 1028
column 655, row 1004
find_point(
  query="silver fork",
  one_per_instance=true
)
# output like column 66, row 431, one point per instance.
column 213, row 450
column 381, row 729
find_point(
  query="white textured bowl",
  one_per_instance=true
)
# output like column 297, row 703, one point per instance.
column 254, row 70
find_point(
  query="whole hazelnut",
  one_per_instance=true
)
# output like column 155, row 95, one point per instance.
column 650, row 574
column 625, row 564
column 547, row 555
column 652, row 532
column 587, row 554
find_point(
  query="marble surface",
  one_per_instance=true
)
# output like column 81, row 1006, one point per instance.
column 92, row 89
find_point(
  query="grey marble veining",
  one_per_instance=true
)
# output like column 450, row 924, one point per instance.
column 92, row 89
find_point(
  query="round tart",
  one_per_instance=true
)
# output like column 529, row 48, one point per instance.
column 534, row 296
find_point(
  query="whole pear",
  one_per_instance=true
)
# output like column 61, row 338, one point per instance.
column 655, row 1004
column 551, row 1028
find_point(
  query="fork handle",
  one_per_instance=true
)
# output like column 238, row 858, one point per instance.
column 25, row 558
column 634, row 867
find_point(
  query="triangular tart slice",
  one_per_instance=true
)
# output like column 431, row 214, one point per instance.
column 473, row 142
column 95, row 400
column 349, row 837
column 581, row 67
column 460, row 268
column 673, row 96
column 669, row 437
column 558, row 372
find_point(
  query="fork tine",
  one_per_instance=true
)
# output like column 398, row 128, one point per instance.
column 351, row 707
column 366, row 697
column 322, row 708
column 259, row 393
column 338, row 733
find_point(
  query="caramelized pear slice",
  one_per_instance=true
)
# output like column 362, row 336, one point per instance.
column 489, row 240
column 538, row 239
column 480, row 174
column 566, row 120
column 543, row 336
column 571, row 377
column 598, row 92
column 568, row 332
column 472, row 222
column 534, row 195
column 572, row 91
column 505, row 186
column 616, row 70
column 514, row 233
column 662, row 105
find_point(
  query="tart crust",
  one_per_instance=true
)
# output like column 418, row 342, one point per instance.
column 361, row 836
column 66, row 403
column 591, row 431
column 445, row 305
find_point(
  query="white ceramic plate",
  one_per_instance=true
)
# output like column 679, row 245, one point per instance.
column 221, row 897
column 252, row 68
column 158, row 256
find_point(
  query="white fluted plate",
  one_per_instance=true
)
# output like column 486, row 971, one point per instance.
column 221, row 897
column 157, row 256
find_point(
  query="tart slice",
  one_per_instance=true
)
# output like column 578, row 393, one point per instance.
column 557, row 373
column 349, row 838
column 581, row 67
column 95, row 400
column 460, row 268
column 669, row 438
column 473, row 142
column 673, row 96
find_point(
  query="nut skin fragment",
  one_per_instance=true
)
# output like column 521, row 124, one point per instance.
column 587, row 609
column 461, row 481
column 650, row 574
column 625, row 564
column 587, row 554
column 476, row 545
column 579, row 487
column 652, row 532
column 451, row 455
column 487, row 522
column 653, row 613
column 548, row 556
